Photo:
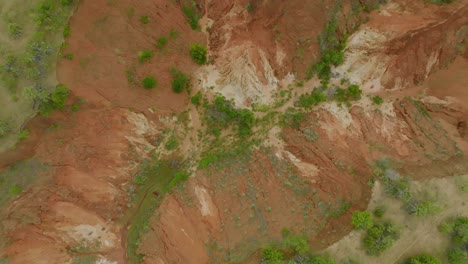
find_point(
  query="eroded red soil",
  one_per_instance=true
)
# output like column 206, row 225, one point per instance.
column 223, row 214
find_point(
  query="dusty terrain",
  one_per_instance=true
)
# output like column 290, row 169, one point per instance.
column 307, row 178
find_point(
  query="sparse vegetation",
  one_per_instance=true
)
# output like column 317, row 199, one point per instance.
column 198, row 53
column 362, row 220
column 419, row 207
column 149, row 82
column 145, row 55
column 440, row 2
column 180, row 81
column 15, row 190
column 249, row 7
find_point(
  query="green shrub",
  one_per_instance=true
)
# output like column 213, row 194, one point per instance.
column 15, row 31
column 198, row 53
column 297, row 243
column 171, row 143
column 69, row 56
column 249, row 7
column 178, row 177
column 457, row 229
column 55, row 101
column 221, row 113
column 145, row 55
column 15, row 190
column 292, row 118
column 161, row 42
column 362, row 220
column 422, row 208
column 66, row 2
column 321, row 260
column 196, row 99
column 379, row 238
column 174, row 33
column 192, row 15
column 66, row 31
column 272, row 256
column 377, row 100
column 309, row 100
column 379, row 211
column 149, row 82
column 5, row 128
column 440, row 2
column 23, row 134
column 180, row 81
column 423, row 258
column 353, row 92
column 144, row 19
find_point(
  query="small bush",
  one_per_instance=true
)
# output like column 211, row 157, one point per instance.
column 379, row 238
column 171, row 143
column 144, row 19
column 352, row 93
column 149, row 82
column 161, row 42
column 362, row 220
column 377, row 100
column 178, row 177
column 423, row 258
column 196, row 99
column 180, row 81
column 198, row 53
column 272, row 256
column 145, row 55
